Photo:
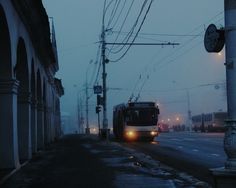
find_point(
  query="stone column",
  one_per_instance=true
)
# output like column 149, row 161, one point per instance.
column 52, row 126
column 34, row 125
column 9, row 157
column 226, row 176
column 57, row 122
column 40, row 124
column 56, row 125
column 58, row 113
column 46, row 125
column 24, row 125
column 230, row 49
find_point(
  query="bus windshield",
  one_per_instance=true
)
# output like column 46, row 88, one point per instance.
column 141, row 116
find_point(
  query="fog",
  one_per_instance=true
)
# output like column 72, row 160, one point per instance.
column 164, row 74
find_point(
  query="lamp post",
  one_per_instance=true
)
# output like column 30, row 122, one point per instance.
column 87, row 129
column 189, row 115
column 79, row 110
column 189, row 111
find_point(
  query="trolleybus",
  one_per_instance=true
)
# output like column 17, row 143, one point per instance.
column 135, row 120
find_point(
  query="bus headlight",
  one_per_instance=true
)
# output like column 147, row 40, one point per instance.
column 153, row 133
column 130, row 134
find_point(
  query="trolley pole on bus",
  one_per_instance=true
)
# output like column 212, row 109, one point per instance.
column 226, row 176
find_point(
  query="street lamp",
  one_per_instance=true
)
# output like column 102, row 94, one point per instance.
column 189, row 115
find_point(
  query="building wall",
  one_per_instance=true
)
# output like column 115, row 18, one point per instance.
column 28, row 93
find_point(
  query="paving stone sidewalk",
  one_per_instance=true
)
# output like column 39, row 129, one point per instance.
column 80, row 161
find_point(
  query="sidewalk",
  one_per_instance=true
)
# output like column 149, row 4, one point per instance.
column 80, row 161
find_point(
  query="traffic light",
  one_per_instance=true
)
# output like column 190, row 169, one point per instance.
column 98, row 109
column 99, row 100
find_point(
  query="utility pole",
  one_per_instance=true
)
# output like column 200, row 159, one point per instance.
column 104, row 130
column 189, row 115
column 98, row 109
column 87, row 130
column 78, row 115
column 189, row 111
column 81, row 117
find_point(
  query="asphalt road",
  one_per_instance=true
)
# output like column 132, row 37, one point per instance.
column 207, row 148
column 194, row 153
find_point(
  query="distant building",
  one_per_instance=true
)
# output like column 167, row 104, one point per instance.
column 66, row 123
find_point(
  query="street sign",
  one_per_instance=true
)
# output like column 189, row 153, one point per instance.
column 97, row 89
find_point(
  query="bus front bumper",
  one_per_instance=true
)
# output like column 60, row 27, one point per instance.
column 140, row 134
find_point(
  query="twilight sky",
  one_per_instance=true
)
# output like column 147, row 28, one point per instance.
column 158, row 73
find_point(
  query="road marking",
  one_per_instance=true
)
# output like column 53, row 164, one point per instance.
column 180, row 147
column 189, row 139
column 215, row 154
column 196, row 150
column 176, row 139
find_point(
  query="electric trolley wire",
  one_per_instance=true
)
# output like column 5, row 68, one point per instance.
column 129, row 35
column 112, row 16
column 118, row 17
column 113, row 12
column 181, row 55
column 122, row 25
column 118, row 59
column 188, row 42
column 159, row 34
column 184, row 44
column 98, row 72
column 160, row 62
column 97, row 65
column 98, row 60
column 173, row 90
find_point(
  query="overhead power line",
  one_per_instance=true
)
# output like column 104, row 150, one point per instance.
column 164, row 61
column 118, row 59
column 113, row 12
column 160, row 34
column 130, row 33
column 122, row 25
column 143, row 44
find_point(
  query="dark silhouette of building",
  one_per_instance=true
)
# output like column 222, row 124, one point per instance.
column 29, row 92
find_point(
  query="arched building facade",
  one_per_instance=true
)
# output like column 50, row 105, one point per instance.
column 29, row 92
